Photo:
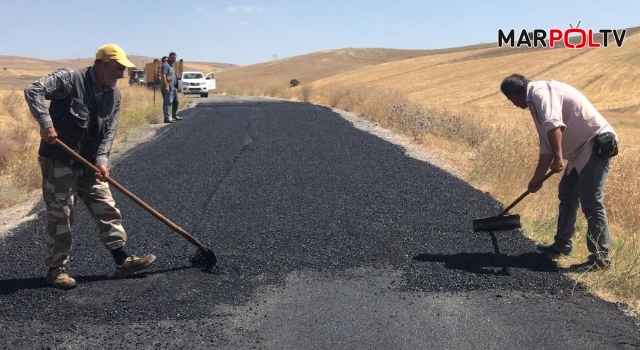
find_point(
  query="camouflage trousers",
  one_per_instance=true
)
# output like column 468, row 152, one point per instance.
column 61, row 185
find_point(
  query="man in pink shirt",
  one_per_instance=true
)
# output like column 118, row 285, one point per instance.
column 568, row 125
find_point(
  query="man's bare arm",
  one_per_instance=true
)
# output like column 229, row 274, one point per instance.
column 555, row 139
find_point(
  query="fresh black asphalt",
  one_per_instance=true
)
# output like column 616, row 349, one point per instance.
column 327, row 237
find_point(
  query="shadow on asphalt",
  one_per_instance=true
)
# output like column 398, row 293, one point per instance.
column 491, row 263
column 486, row 263
column 11, row 286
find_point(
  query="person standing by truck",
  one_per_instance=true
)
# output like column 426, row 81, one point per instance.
column 168, row 84
column 159, row 69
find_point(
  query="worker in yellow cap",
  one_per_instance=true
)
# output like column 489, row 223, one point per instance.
column 83, row 114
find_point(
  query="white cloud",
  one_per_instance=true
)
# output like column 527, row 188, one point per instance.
column 243, row 24
column 251, row 9
column 247, row 9
column 199, row 9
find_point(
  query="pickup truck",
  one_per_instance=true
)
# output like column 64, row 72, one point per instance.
column 197, row 83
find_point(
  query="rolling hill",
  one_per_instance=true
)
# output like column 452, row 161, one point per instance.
column 18, row 71
column 457, row 76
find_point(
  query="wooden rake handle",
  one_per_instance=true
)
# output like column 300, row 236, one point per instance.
column 504, row 212
column 133, row 197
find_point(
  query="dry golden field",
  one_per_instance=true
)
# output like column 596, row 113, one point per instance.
column 450, row 104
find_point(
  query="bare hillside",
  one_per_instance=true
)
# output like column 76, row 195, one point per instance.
column 314, row 66
column 455, row 76
column 608, row 76
column 18, row 71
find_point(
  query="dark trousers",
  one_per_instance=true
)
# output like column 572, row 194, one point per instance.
column 587, row 190
column 174, row 105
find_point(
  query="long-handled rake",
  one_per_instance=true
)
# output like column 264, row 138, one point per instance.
column 205, row 257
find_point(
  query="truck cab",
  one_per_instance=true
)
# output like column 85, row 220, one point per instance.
column 136, row 76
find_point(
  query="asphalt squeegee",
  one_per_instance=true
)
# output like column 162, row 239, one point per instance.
column 504, row 222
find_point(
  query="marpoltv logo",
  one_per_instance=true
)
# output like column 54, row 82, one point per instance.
column 571, row 38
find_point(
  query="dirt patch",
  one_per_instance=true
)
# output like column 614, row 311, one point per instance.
column 12, row 217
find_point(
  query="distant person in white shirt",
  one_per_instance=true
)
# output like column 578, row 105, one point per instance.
column 569, row 127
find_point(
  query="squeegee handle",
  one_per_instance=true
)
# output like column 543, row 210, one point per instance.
column 504, row 212
column 132, row 196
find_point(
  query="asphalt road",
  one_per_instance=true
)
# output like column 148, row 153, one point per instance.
column 327, row 237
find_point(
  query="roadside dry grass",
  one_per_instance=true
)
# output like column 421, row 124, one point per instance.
column 20, row 139
column 139, row 110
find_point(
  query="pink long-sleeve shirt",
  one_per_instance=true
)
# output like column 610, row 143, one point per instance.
column 555, row 104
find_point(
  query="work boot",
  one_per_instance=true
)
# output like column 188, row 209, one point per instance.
column 59, row 278
column 132, row 265
column 595, row 263
column 555, row 250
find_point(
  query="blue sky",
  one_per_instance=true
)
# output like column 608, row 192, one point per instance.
column 251, row 31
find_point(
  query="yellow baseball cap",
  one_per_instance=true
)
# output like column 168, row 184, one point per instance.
column 113, row 52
